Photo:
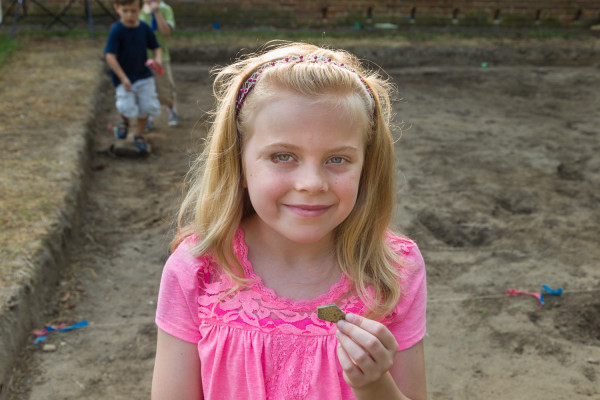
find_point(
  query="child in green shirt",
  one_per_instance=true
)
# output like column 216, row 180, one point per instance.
column 159, row 15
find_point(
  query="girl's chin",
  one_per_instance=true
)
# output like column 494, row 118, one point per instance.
column 306, row 238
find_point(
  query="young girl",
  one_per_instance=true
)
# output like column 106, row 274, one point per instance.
column 288, row 209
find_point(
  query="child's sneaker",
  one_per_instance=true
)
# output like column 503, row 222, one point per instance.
column 121, row 130
column 140, row 144
column 173, row 117
column 149, row 124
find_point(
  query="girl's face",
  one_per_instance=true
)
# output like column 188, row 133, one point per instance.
column 302, row 164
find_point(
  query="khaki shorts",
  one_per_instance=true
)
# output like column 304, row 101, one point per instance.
column 140, row 102
column 165, row 86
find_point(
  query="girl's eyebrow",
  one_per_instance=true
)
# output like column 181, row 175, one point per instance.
column 289, row 146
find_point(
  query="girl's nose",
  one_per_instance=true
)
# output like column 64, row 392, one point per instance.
column 311, row 179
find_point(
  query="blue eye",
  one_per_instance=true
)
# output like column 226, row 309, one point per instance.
column 336, row 160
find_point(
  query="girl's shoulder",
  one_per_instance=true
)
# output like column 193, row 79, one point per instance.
column 180, row 287
column 184, row 261
column 407, row 320
column 410, row 262
column 400, row 244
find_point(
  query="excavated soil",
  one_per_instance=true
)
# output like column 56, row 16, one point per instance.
column 499, row 184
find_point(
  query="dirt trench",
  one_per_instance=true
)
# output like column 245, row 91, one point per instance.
column 498, row 183
column 114, row 270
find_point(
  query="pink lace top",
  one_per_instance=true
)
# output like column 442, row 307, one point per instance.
column 253, row 344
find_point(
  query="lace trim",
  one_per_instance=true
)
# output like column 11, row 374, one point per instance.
column 257, row 307
column 336, row 290
column 246, row 309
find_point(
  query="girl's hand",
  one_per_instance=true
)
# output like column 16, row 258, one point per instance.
column 366, row 350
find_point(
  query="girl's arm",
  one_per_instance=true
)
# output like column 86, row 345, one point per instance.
column 409, row 371
column 373, row 367
column 176, row 369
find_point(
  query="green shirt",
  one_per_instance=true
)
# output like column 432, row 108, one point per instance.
column 167, row 13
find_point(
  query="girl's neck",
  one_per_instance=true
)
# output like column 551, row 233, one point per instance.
column 291, row 255
column 294, row 270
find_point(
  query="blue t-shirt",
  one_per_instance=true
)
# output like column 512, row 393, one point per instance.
column 130, row 46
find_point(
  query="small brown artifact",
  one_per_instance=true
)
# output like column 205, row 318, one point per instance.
column 330, row 312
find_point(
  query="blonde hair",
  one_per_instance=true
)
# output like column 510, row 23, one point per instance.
column 216, row 202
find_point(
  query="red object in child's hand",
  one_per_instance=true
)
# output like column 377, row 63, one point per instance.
column 154, row 66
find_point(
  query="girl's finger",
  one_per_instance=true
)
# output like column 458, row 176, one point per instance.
column 357, row 353
column 377, row 329
column 360, row 342
column 353, row 375
column 344, row 358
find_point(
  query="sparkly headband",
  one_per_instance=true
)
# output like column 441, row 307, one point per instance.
column 251, row 82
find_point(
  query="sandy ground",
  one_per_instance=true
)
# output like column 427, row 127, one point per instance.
column 499, row 184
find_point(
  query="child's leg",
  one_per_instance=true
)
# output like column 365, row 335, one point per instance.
column 169, row 94
column 148, row 103
column 141, row 126
column 127, row 106
column 165, row 86
column 147, row 98
column 138, row 139
column 126, row 103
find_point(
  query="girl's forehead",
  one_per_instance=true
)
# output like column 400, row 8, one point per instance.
column 302, row 121
column 284, row 105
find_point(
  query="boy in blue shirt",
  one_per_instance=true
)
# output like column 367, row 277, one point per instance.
column 125, row 51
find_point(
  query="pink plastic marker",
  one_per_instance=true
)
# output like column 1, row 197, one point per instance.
column 154, row 66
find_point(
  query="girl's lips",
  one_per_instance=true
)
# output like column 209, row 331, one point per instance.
column 306, row 210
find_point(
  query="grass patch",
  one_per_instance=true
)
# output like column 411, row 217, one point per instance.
column 549, row 34
column 7, row 47
column 44, row 105
column 29, row 32
column 465, row 30
column 374, row 36
column 63, row 33
column 368, row 37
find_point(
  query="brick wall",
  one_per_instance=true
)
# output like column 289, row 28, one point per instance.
column 318, row 13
